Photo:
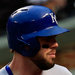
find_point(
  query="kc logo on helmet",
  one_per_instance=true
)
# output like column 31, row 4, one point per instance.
column 53, row 18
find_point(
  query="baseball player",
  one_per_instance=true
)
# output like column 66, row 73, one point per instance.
column 31, row 36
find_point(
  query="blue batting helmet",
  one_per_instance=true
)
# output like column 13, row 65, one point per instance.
column 26, row 23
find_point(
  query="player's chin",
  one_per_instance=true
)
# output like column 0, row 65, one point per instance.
column 49, row 64
column 51, row 61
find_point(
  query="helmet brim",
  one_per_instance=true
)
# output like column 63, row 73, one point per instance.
column 50, row 31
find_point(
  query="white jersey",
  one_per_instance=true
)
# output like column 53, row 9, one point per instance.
column 3, row 71
column 56, row 70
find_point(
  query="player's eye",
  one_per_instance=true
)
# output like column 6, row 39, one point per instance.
column 45, row 46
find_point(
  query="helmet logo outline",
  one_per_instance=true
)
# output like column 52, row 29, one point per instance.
column 53, row 18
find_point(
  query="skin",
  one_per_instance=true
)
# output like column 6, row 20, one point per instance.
column 21, row 65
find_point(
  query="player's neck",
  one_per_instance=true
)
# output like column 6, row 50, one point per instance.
column 23, row 66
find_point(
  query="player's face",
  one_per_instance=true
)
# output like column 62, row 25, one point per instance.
column 47, row 53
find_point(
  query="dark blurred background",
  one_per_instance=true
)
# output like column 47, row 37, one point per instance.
column 65, row 17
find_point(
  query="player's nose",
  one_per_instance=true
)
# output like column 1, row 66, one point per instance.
column 55, row 45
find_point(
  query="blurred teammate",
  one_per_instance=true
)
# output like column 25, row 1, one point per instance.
column 55, row 5
column 31, row 36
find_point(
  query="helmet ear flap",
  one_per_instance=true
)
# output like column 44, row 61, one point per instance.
column 34, row 45
column 24, row 45
column 30, row 46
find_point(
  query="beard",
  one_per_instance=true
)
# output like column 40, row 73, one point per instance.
column 42, row 63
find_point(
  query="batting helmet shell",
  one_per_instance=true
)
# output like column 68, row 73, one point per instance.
column 26, row 23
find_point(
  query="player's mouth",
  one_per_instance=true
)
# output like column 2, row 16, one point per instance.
column 52, row 54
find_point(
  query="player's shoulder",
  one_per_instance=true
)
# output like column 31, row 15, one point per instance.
column 62, row 69
column 57, row 70
column 3, row 71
